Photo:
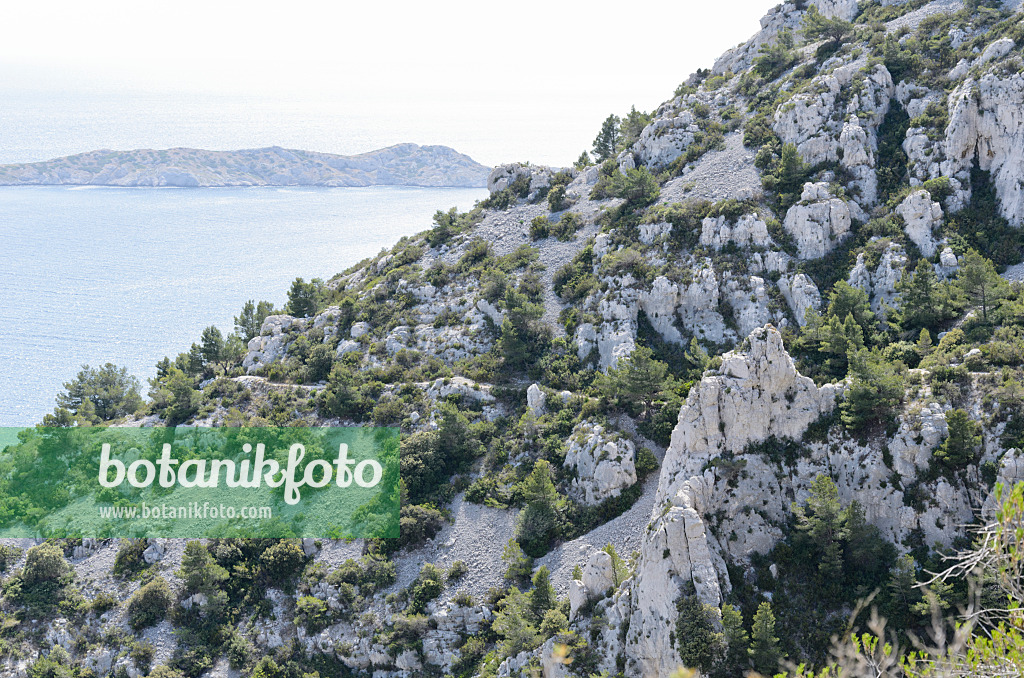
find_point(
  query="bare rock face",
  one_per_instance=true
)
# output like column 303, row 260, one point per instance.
column 921, row 217
column 757, row 393
column 880, row 284
column 503, row 176
column 270, row 345
column 985, row 122
column 535, row 399
column 665, row 139
column 800, row 293
column 819, row 222
column 604, row 463
column 746, row 231
column 814, row 120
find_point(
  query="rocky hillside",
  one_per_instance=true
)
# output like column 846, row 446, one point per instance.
column 688, row 405
column 399, row 165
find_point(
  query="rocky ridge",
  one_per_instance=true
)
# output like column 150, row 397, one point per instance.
column 399, row 165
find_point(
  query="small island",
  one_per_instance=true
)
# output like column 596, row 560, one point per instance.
column 399, row 165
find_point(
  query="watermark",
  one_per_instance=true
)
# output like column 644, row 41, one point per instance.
column 200, row 482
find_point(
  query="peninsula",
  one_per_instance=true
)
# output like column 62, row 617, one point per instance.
column 399, row 165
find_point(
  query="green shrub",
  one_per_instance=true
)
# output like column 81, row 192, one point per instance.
column 44, row 563
column 427, row 586
column 540, row 228
column 557, row 199
column 282, row 561
column 311, row 612
column 457, row 570
column 565, row 228
column 149, row 604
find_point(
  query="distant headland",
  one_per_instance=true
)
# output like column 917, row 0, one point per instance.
column 399, row 165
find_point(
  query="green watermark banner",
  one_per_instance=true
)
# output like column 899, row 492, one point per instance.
column 199, row 482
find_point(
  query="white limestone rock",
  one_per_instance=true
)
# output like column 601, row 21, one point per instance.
column 747, row 231
column 948, row 264
column 801, row 294
column 271, row 343
column 880, row 284
column 985, row 123
column 603, row 462
column 535, row 399
column 598, row 574
column 651, row 232
column 155, row 551
column 665, row 139
column 347, row 346
column 817, row 227
column 503, row 176
column 359, row 329
column 748, row 298
column 921, row 217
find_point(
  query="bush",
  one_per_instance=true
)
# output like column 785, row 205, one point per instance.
column 557, row 200
column 101, row 394
column 282, row 561
column 457, row 570
column 565, row 228
column 574, row 281
column 428, row 585
column 311, row 612
column 44, row 563
column 129, row 559
column 149, row 604
column 540, row 228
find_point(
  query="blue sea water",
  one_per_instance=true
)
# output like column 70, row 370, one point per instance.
column 129, row 275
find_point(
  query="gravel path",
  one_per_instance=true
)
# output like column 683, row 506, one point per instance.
column 718, row 175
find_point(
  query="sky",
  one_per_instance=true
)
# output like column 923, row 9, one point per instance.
column 523, row 80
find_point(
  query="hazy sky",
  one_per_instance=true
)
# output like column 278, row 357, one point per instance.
column 522, row 80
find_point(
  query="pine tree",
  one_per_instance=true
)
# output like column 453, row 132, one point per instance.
column 901, row 591
column 302, row 298
column 844, row 299
column 823, row 520
column 538, row 521
column 816, row 25
column 924, row 346
column 960, row 446
column 250, row 320
column 212, row 347
column 512, row 624
column 764, row 645
column 980, row 282
column 737, row 643
column 875, row 391
column 607, row 138
column 636, row 381
column 920, row 298
column 583, row 161
column 695, row 638
column 543, row 596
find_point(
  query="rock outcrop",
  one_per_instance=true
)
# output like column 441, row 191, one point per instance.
column 921, row 217
column 819, row 222
column 603, row 463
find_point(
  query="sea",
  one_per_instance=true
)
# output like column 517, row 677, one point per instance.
column 90, row 275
